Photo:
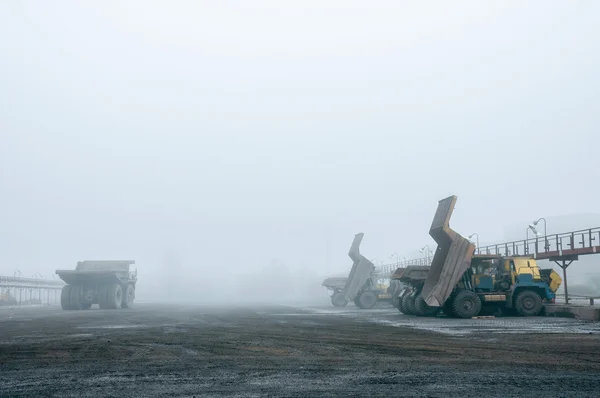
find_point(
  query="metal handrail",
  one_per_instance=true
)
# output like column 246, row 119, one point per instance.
column 545, row 246
column 4, row 280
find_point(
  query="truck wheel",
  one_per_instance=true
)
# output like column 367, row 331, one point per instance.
column 75, row 303
column 338, row 300
column 128, row 296
column 86, row 306
column 367, row 300
column 448, row 307
column 466, row 304
column 102, row 293
column 114, row 296
column 401, row 305
column 65, row 297
column 422, row 309
column 528, row 303
column 408, row 303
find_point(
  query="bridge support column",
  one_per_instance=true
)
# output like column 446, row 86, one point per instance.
column 564, row 264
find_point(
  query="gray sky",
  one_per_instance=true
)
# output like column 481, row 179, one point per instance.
column 236, row 133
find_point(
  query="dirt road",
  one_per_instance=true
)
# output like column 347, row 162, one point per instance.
column 186, row 351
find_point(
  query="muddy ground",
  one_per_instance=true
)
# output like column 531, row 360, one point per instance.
column 259, row 351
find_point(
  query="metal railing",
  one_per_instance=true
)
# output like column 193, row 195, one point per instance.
column 390, row 268
column 17, row 281
column 579, row 297
column 585, row 241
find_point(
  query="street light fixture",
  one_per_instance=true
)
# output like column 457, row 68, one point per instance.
column 397, row 257
column 426, row 248
column 532, row 228
column 535, row 223
column 477, row 235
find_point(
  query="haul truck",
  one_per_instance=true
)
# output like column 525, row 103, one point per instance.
column 110, row 284
column 462, row 284
column 363, row 285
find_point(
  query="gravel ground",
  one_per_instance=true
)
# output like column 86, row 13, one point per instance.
column 263, row 351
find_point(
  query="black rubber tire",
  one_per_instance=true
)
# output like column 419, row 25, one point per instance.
column 422, row 309
column 367, row 300
column 408, row 303
column 86, row 306
column 74, row 297
column 338, row 300
column 114, row 296
column 448, row 307
column 128, row 297
column 528, row 303
column 102, row 293
column 466, row 304
column 65, row 297
column 401, row 305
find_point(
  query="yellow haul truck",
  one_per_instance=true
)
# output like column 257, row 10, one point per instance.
column 464, row 284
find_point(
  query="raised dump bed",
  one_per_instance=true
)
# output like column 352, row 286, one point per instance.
column 451, row 258
column 110, row 284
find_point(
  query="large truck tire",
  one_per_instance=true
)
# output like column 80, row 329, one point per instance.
column 65, row 297
column 422, row 309
column 367, row 300
column 102, row 300
column 401, row 305
column 408, row 303
column 86, row 306
column 114, row 296
column 338, row 300
column 448, row 307
column 467, row 304
column 528, row 303
column 74, row 298
column 128, row 296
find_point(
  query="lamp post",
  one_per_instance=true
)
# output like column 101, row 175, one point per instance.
column 397, row 258
column 426, row 248
column 534, row 224
column 477, row 235
column 532, row 228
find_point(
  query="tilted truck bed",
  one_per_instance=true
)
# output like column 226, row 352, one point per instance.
column 335, row 282
column 413, row 275
column 451, row 259
column 111, row 271
column 82, row 277
column 361, row 270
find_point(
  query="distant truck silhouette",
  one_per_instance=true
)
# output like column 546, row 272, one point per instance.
column 110, row 284
column 361, row 285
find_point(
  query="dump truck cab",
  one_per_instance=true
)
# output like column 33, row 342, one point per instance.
column 512, row 283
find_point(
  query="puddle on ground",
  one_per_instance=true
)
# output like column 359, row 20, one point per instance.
column 460, row 327
column 112, row 327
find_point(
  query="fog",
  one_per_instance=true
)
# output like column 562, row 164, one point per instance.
column 233, row 149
